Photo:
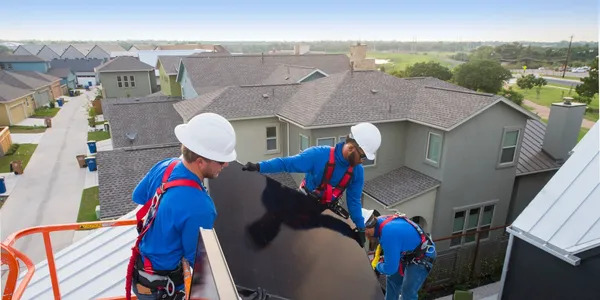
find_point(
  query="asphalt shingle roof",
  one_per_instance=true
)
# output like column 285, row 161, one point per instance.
column 288, row 74
column 58, row 48
column 24, row 79
column 124, row 63
column 33, row 49
column 398, row 185
column 238, row 102
column 152, row 118
column 120, row 170
column 59, row 72
column 9, row 92
column 111, row 47
column 253, row 69
column 170, row 63
column 84, row 48
column 144, row 47
column 77, row 65
column 532, row 159
column 20, row 58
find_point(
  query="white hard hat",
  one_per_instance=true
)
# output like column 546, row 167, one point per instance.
column 367, row 136
column 367, row 213
column 208, row 135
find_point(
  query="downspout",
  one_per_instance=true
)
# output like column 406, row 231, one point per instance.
column 505, row 267
column 287, row 126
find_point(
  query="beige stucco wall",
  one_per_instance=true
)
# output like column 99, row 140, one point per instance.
column 26, row 101
column 251, row 143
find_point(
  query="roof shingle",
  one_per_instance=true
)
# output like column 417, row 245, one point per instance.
column 398, row 185
column 20, row 58
column 9, row 92
column 124, row 63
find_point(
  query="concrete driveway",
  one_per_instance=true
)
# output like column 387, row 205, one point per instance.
column 49, row 191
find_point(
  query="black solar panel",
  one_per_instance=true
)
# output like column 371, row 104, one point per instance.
column 276, row 238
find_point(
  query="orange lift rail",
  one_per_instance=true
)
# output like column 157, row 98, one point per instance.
column 11, row 256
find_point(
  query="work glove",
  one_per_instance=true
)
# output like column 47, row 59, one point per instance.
column 360, row 236
column 252, row 167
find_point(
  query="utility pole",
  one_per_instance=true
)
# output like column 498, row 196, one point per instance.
column 567, row 60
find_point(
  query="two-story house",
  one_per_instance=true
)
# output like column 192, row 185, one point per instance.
column 125, row 77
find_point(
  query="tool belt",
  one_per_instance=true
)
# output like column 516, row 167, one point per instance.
column 426, row 261
column 334, row 205
column 163, row 282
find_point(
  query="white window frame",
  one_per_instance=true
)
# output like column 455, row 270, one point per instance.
column 276, row 150
column 342, row 138
column 131, row 81
column 119, row 81
column 326, row 138
column 430, row 161
column 466, row 210
column 517, row 146
column 300, row 144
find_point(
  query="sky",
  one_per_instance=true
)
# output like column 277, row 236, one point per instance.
column 306, row 20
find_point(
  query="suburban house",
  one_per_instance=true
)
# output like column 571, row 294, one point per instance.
column 84, row 48
column 23, row 63
column 105, row 51
column 167, row 70
column 125, row 77
column 58, row 48
column 68, row 79
column 28, row 49
column 16, row 104
column 554, row 245
column 138, row 47
column 151, row 57
column 83, row 69
column 44, row 87
column 72, row 53
column 48, row 54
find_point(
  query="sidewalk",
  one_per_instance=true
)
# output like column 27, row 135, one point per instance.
column 485, row 292
column 49, row 191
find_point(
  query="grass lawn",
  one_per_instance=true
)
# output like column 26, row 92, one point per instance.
column 87, row 208
column 26, row 129
column 401, row 60
column 98, row 135
column 549, row 95
column 566, row 77
column 23, row 153
column 45, row 112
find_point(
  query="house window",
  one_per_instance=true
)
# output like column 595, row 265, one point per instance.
column 119, row 83
column 509, row 146
column 132, row 81
column 271, row 138
column 329, row 141
column 470, row 221
column 342, row 138
column 304, row 143
column 2, row 66
column 125, row 82
column 434, row 148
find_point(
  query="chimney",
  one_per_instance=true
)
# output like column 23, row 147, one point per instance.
column 301, row 49
column 358, row 56
column 563, row 128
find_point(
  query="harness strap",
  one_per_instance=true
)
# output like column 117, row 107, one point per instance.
column 149, row 212
column 329, row 193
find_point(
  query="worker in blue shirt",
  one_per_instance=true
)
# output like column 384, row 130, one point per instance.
column 208, row 144
column 331, row 170
column 409, row 253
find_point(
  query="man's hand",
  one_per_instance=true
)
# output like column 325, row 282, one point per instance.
column 252, row 167
column 360, row 236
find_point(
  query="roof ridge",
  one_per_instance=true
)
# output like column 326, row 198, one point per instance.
column 298, row 66
column 265, row 85
column 331, row 91
column 459, row 91
column 149, row 147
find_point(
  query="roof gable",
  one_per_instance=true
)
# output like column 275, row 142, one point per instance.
column 124, row 63
column 72, row 53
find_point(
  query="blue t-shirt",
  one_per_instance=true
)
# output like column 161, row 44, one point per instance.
column 396, row 237
column 312, row 161
column 182, row 211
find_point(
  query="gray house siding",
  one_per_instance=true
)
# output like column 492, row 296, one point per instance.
column 416, row 139
column 41, row 97
column 72, row 53
column 111, row 89
column 97, row 52
column 47, row 54
column 252, row 139
column 187, row 90
column 526, row 187
column 469, row 168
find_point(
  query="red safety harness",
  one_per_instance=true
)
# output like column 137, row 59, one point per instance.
column 328, row 193
column 145, row 218
column 419, row 252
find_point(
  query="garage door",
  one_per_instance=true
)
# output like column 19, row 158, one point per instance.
column 42, row 98
column 17, row 113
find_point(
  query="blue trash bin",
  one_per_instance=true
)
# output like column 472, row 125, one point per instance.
column 92, row 146
column 60, row 102
column 2, row 185
column 91, row 163
column 71, row 93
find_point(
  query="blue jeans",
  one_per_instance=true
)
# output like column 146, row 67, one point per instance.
column 409, row 285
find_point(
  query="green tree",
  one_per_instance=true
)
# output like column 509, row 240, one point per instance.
column 512, row 95
column 429, row 69
column 589, row 86
column 481, row 75
column 484, row 53
column 530, row 81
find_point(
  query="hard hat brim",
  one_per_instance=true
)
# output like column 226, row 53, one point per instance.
column 183, row 135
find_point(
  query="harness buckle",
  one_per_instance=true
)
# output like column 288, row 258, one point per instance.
column 162, row 187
